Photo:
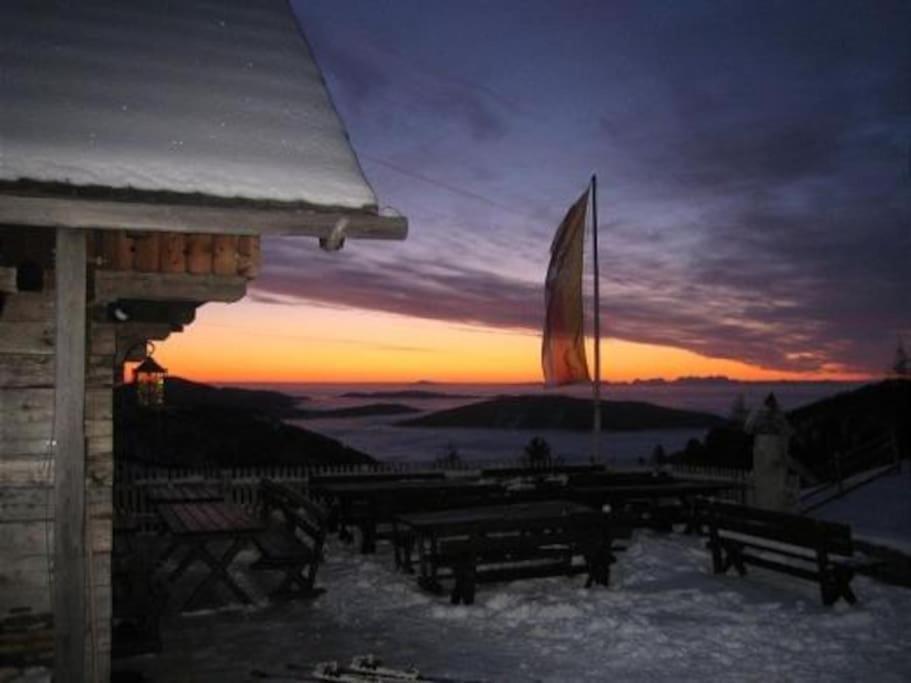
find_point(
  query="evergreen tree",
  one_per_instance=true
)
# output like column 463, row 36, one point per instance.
column 537, row 452
column 739, row 411
column 902, row 365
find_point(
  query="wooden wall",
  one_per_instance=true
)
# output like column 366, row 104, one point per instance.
column 163, row 277
column 26, row 478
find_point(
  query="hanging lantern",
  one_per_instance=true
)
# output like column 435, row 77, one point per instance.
column 149, row 380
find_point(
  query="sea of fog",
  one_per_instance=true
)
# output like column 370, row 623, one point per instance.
column 383, row 439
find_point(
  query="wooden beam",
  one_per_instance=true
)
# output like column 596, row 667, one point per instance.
column 249, row 256
column 242, row 219
column 114, row 285
column 175, row 313
column 69, row 600
column 173, row 253
column 199, row 254
column 146, row 251
column 224, row 255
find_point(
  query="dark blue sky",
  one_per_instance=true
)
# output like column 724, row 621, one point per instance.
column 753, row 164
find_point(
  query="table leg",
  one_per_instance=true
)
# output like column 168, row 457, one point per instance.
column 219, row 571
column 693, row 526
column 344, row 516
column 368, row 536
column 427, row 547
column 187, row 560
column 368, row 528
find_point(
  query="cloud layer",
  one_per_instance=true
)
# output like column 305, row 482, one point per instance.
column 753, row 158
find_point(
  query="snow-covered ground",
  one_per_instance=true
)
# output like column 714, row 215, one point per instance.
column 879, row 511
column 664, row 618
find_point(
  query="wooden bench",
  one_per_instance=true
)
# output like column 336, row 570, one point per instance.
column 787, row 543
column 508, row 542
column 293, row 539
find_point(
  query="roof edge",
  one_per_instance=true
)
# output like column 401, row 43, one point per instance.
column 44, row 188
column 61, row 205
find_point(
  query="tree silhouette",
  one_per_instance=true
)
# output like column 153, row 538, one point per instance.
column 901, row 367
column 451, row 459
column 739, row 411
column 537, row 452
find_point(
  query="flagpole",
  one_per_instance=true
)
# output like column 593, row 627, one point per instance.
column 596, row 385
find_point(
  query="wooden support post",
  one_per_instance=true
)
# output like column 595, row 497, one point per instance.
column 68, row 600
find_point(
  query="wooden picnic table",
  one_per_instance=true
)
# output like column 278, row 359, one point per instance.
column 183, row 493
column 539, row 472
column 428, row 530
column 376, row 502
column 621, row 496
column 201, row 526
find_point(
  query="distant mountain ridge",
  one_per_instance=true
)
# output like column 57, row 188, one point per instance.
column 563, row 412
column 371, row 409
column 204, row 425
column 184, row 392
column 720, row 380
column 415, row 394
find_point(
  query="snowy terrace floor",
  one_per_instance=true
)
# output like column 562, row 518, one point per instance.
column 665, row 618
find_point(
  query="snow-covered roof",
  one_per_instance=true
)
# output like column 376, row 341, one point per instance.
column 220, row 98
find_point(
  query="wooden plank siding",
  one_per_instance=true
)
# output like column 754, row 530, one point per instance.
column 160, row 278
column 7, row 280
column 26, row 471
column 27, row 510
column 99, row 431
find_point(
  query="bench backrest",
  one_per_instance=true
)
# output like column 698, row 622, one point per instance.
column 778, row 526
column 298, row 512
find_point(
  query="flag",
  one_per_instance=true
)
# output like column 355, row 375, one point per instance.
column 563, row 344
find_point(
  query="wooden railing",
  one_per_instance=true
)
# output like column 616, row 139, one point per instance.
column 241, row 484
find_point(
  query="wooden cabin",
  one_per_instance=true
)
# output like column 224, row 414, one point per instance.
column 145, row 151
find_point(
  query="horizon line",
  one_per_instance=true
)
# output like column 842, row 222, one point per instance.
column 658, row 380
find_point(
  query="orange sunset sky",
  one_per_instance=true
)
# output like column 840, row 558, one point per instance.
column 258, row 342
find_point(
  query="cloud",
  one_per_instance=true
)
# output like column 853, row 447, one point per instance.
column 756, row 201
column 362, row 68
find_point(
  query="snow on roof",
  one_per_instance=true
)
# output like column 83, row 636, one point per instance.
column 218, row 97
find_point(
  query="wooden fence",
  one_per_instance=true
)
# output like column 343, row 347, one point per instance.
column 241, row 484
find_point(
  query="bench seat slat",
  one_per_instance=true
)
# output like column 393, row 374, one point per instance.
column 792, row 569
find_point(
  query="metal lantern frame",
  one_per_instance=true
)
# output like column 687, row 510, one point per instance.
column 149, row 379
